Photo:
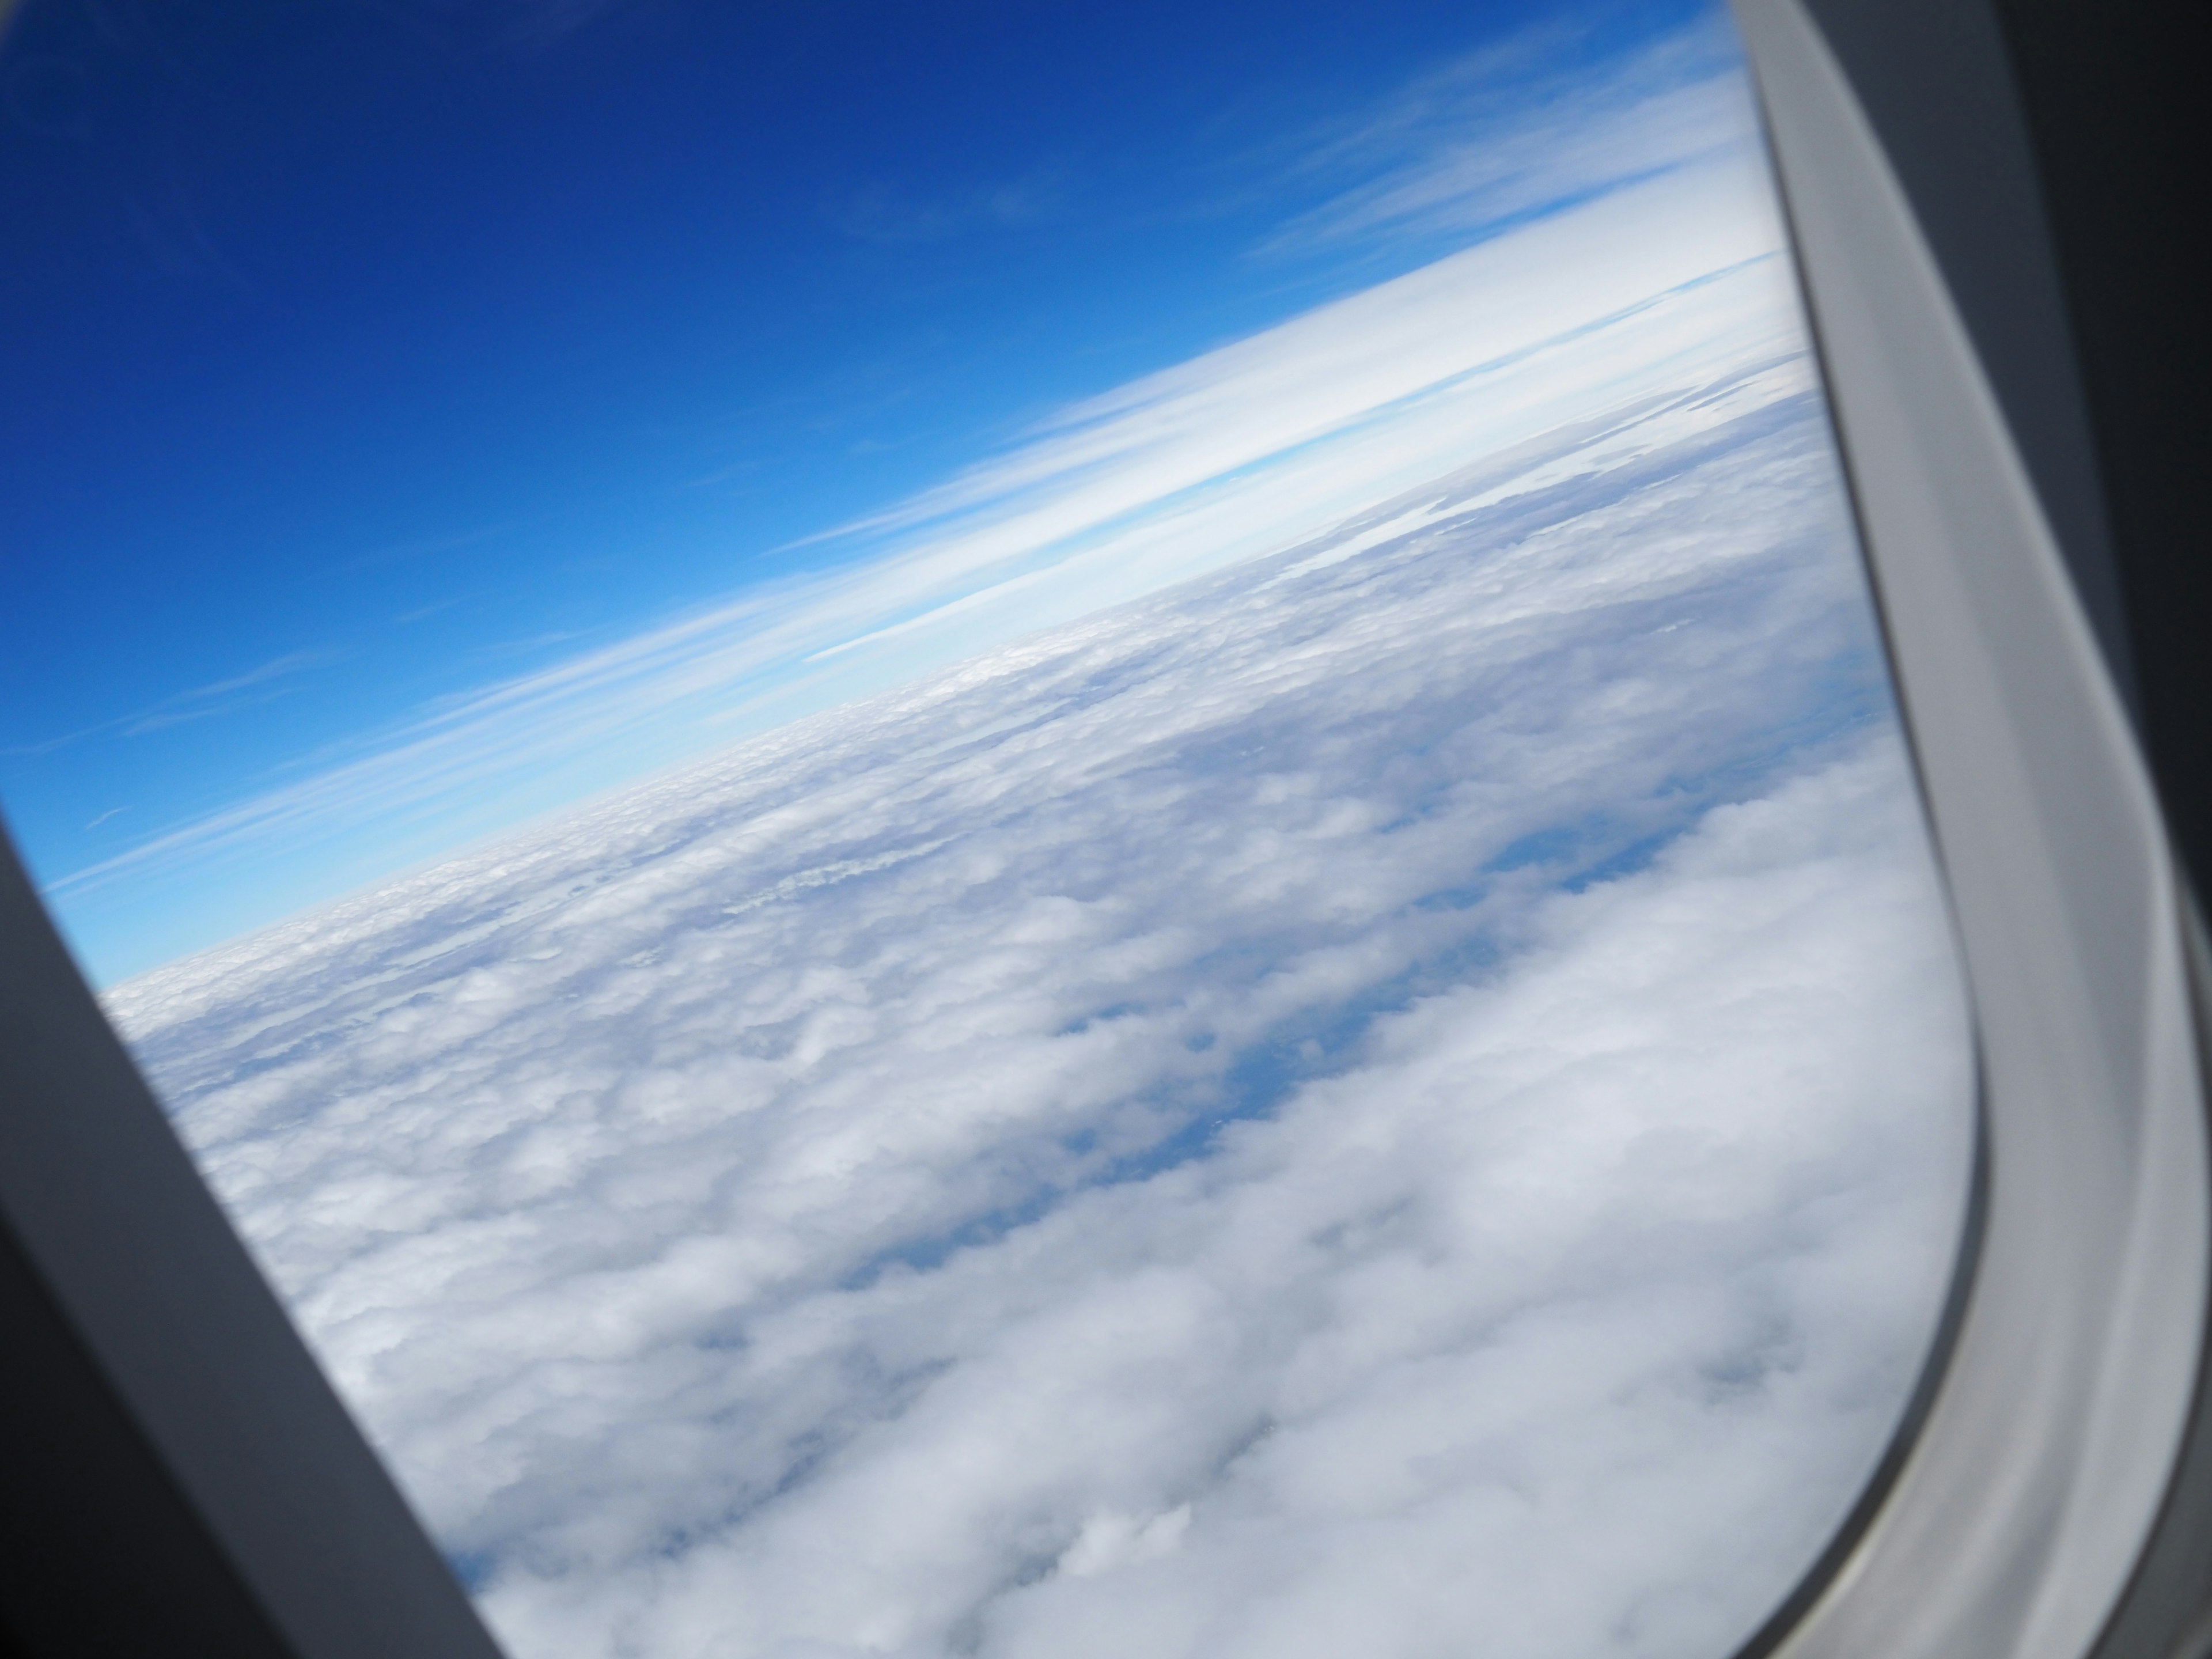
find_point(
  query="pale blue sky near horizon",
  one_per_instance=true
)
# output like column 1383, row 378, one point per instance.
column 438, row 416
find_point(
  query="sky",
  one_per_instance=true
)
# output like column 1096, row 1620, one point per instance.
column 989, row 831
column 1406, row 1095
column 425, row 415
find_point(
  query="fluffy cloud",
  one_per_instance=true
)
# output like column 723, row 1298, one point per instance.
column 1403, row 1096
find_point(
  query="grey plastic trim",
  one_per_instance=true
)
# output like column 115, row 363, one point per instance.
column 2016, row 1522
column 1936, row 84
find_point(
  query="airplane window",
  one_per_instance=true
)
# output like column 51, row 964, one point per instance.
column 994, row 830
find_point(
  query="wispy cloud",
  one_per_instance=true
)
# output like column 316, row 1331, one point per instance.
column 428, row 547
column 1523, row 128
column 424, row 612
column 292, row 662
column 882, row 212
column 526, row 645
column 200, row 702
column 163, row 719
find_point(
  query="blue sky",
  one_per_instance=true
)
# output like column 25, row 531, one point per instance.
column 423, row 415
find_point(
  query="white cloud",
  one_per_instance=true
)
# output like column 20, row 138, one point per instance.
column 1369, row 1099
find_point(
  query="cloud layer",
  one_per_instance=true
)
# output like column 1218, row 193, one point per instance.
column 1405, row 1096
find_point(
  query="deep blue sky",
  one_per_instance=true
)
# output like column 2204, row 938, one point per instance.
column 357, row 355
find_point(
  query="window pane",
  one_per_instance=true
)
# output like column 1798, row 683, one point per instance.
column 977, row 832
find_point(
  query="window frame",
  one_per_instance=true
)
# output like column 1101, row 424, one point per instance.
column 177, row 1474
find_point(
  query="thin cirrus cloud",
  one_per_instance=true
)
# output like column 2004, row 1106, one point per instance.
column 200, row 702
column 1408, row 1085
column 1651, row 289
column 880, row 213
column 1528, row 125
